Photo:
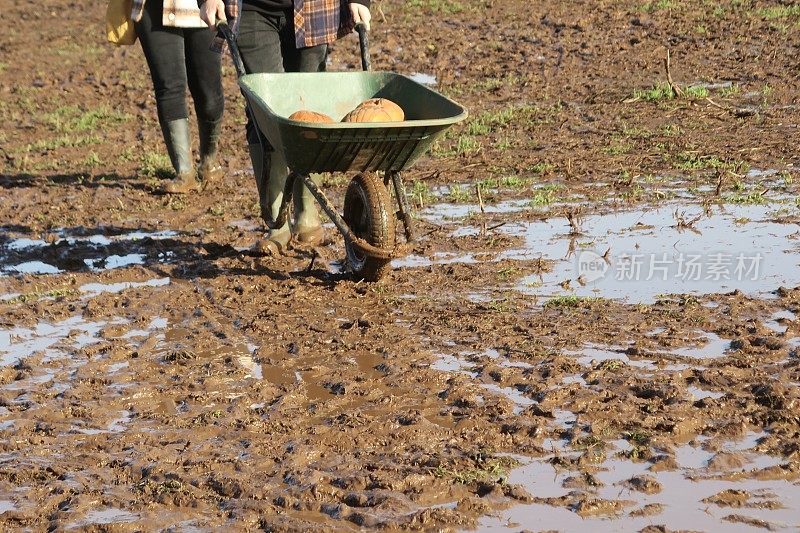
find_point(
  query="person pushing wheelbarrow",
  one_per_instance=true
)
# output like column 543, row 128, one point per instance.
column 276, row 36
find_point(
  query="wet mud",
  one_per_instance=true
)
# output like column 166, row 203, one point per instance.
column 596, row 329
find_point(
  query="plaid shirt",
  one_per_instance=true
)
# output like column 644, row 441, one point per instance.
column 175, row 13
column 315, row 21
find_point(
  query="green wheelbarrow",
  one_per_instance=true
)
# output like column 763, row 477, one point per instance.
column 368, row 222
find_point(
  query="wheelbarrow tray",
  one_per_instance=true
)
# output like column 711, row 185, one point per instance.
column 349, row 146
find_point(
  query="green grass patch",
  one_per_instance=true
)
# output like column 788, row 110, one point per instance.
column 663, row 91
column 635, row 132
column 483, row 468
column 544, row 196
column 459, row 193
column 729, row 91
column 421, row 193
column 587, row 443
column 612, row 365
column 156, row 165
column 660, row 5
column 506, row 182
column 569, row 301
column 92, row 160
column 671, row 130
column 66, row 140
column 491, row 84
column 490, row 121
column 619, row 148
column 476, row 127
column 445, row 7
column 695, row 91
column 464, row 145
column 72, row 50
column 34, row 296
column 639, row 438
column 68, row 119
column 541, row 168
column 753, row 198
column 503, row 144
column 696, row 161
column 660, row 91
column 779, row 12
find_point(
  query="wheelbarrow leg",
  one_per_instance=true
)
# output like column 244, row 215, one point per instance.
column 402, row 204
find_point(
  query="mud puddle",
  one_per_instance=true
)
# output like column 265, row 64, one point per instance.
column 713, row 481
column 46, row 356
column 64, row 251
column 639, row 256
column 627, row 496
column 73, row 333
column 255, row 370
column 712, row 346
column 780, row 320
column 103, row 517
column 464, row 363
column 95, row 289
column 591, row 354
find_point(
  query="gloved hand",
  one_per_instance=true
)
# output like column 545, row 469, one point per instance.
column 361, row 14
column 212, row 11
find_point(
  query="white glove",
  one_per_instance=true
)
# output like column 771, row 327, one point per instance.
column 212, row 11
column 361, row 14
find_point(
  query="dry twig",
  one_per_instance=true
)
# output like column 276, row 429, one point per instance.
column 674, row 86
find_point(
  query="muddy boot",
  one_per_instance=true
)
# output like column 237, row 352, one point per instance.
column 307, row 227
column 179, row 148
column 270, row 185
column 209, row 170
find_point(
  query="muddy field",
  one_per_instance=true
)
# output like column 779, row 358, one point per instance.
column 597, row 329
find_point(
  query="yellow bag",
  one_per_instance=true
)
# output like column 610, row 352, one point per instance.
column 119, row 26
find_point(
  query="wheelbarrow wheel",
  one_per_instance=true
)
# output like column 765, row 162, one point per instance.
column 367, row 212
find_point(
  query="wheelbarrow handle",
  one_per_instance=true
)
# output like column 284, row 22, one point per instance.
column 363, row 43
column 226, row 33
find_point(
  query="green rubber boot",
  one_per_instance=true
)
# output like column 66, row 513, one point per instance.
column 307, row 227
column 209, row 170
column 270, row 194
column 179, row 148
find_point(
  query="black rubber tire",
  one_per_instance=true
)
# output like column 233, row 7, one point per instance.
column 367, row 210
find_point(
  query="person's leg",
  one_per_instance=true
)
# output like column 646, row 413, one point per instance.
column 259, row 44
column 311, row 59
column 204, row 72
column 163, row 49
column 307, row 227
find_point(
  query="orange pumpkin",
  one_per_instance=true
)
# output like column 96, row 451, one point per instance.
column 376, row 110
column 305, row 115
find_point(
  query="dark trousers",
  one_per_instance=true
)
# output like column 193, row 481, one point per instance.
column 267, row 44
column 178, row 57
